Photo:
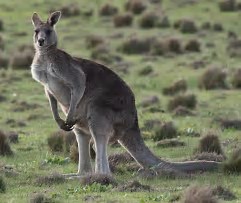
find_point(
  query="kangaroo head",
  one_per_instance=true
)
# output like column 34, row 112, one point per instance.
column 44, row 32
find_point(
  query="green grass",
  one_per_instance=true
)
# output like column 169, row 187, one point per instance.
column 32, row 148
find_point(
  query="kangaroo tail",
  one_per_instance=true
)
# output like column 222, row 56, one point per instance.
column 134, row 144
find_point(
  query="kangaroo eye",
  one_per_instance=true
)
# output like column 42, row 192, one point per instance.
column 36, row 31
column 48, row 32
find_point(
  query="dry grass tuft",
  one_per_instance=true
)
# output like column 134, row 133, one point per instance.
column 233, row 164
column 177, row 87
column 123, row 20
column 148, row 20
column 170, row 143
column 230, row 123
column 199, row 194
column 166, row 130
column 102, row 179
column 93, row 41
column 210, row 143
column 193, row 45
column 227, row 5
column 187, row 100
column 108, row 10
column 183, row 111
column 135, row 6
column 22, row 57
column 134, row 186
column 5, row 149
column 213, row 78
column 236, row 79
column 186, row 26
column 39, row 198
column 54, row 178
column 2, row 185
column 208, row 156
column 120, row 158
column 136, row 45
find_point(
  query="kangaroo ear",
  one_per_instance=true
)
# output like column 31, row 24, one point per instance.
column 36, row 20
column 54, row 18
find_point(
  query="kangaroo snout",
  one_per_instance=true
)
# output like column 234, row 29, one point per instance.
column 41, row 42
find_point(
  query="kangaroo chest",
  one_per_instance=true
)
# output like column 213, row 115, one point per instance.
column 44, row 74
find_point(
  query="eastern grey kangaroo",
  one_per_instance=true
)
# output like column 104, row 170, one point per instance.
column 97, row 103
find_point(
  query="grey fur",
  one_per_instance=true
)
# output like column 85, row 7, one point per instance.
column 97, row 103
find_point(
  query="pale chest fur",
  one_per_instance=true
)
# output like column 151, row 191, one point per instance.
column 44, row 74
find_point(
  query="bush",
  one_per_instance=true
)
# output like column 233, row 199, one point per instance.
column 148, row 20
column 135, row 45
column 227, row 5
column 123, row 20
column 2, row 185
column 199, row 195
column 5, row 149
column 166, row 130
column 233, row 164
column 193, row 45
column 209, row 143
column 213, row 78
column 108, row 10
column 135, row 6
column 188, row 100
column 176, row 87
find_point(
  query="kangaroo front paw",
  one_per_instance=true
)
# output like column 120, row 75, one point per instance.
column 64, row 126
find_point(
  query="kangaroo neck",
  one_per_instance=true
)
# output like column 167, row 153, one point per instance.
column 46, row 51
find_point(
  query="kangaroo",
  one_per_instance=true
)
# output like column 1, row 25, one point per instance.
column 97, row 103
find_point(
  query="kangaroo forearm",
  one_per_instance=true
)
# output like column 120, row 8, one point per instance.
column 53, row 105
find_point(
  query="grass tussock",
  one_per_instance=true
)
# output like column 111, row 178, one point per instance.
column 102, row 179
column 208, row 156
column 5, row 149
column 148, row 20
column 135, row 6
column 199, row 194
column 12, row 137
column 227, row 5
column 166, row 130
column 22, row 57
column 186, row 26
column 150, row 101
column 223, row 193
column 123, row 20
column 186, row 100
column 39, row 198
column 170, row 143
column 52, row 179
column 147, row 70
column 163, row 22
column 193, row 45
column 1, row 43
column 213, row 78
column 136, row 45
column 1, row 25
column 218, row 27
column 2, row 185
column 183, row 111
column 61, row 141
column 74, row 153
column 236, row 79
column 210, row 143
column 134, row 186
column 108, row 10
column 93, row 41
column 177, row 87
column 234, row 48
column 230, row 123
column 120, row 158
column 233, row 164
column 69, row 10
column 4, row 60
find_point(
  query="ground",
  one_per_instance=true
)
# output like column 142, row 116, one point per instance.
column 32, row 155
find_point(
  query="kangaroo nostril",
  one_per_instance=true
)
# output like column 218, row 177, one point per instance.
column 41, row 41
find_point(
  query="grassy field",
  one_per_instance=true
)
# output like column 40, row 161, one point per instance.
column 16, row 85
